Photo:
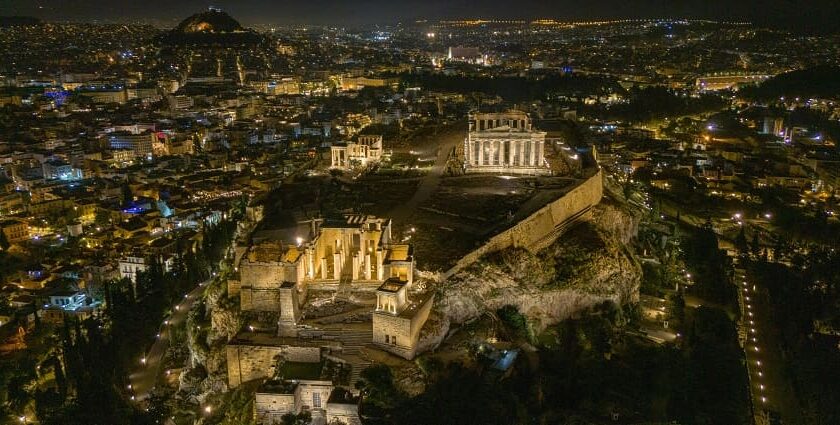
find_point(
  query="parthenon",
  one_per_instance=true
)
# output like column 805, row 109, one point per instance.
column 504, row 143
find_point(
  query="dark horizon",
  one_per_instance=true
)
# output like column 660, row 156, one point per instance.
column 817, row 16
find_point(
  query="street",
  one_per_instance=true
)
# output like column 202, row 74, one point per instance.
column 143, row 379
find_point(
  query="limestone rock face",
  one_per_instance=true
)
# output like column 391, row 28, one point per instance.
column 226, row 320
column 588, row 265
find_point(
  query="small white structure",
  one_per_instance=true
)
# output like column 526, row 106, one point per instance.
column 367, row 150
column 130, row 265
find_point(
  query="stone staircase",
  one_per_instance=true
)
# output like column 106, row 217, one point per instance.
column 352, row 341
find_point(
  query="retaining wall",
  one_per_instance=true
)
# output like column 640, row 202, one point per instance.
column 542, row 228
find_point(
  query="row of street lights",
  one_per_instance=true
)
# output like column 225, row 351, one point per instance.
column 144, row 360
column 753, row 339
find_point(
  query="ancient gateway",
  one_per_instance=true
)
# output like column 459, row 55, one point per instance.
column 347, row 254
column 355, row 252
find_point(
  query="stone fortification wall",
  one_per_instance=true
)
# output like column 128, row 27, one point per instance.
column 541, row 228
column 259, row 300
column 249, row 362
column 343, row 413
column 266, row 275
column 269, row 408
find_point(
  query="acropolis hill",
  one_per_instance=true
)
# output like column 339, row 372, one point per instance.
column 352, row 289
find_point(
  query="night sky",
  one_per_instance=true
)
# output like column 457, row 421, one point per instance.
column 808, row 15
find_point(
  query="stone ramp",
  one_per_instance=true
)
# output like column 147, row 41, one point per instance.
column 343, row 292
column 352, row 342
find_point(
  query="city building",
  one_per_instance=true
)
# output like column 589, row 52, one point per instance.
column 139, row 144
column 69, row 303
column 15, row 230
column 470, row 55
column 726, row 82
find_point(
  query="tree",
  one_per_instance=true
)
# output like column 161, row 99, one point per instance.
column 5, row 304
column 377, row 383
column 126, row 194
column 302, row 418
column 741, row 243
column 721, row 397
column 514, row 320
column 103, row 217
column 755, row 245
column 4, row 241
column 779, row 249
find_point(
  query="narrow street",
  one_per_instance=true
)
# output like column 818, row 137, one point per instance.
column 145, row 375
column 429, row 182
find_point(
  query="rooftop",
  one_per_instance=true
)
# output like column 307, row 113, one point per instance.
column 400, row 252
column 392, row 285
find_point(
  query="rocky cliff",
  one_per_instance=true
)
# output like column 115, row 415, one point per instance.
column 588, row 265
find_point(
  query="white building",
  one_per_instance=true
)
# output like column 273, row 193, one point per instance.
column 504, row 143
column 367, row 150
column 130, row 265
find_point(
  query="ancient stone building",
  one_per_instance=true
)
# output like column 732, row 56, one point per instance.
column 365, row 151
column 355, row 250
column 322, row 399
column 397, row 321
column 252, row 355
column 504, row 143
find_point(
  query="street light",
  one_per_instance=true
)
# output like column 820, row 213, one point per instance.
column 22, row 419
column 143, row 360
column 208, row 409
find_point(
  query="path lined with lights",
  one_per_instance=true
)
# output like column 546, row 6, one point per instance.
column 769, row 387
column 143, row 380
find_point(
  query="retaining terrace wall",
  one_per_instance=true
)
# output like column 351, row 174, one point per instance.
column 542, row 228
